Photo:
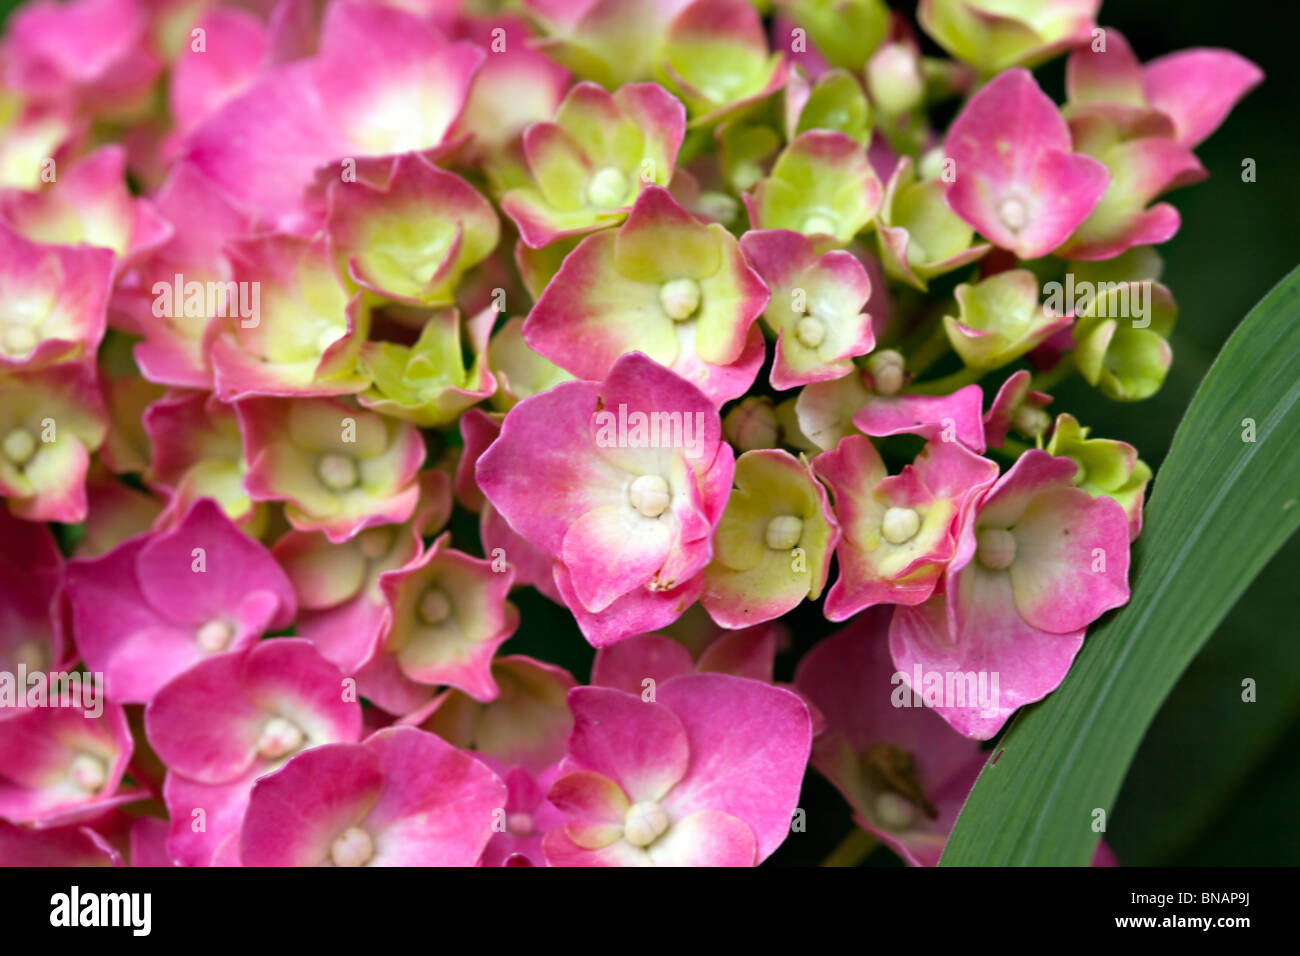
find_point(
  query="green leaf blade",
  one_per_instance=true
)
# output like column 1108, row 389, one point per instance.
column 1220, row 509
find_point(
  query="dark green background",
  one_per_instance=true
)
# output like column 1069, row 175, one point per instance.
column 1217, row 780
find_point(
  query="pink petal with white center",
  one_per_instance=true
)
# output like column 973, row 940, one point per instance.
column 233, row 566
column 827, row 293
column 55, row 299
column 144, row 613
column 560, row 447
column 1028, row 663
column 529, row 817
column 287, row 441
column 749, row 744
column 956, row 417
column 643, row 747
column 706, row 838
column 51, row 418
column 1198, row 88
column 1021, row 186
column 594, row 807
column 249, row 708
column 61, row 764
column 416, row 800
column 1072, row 550
column 472, row 619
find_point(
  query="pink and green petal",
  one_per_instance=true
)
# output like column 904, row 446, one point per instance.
column 822, row 185
column 773, row 544
column 1020, row 184
column 412, row 239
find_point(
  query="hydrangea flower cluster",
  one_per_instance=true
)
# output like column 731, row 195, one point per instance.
column 334, row 334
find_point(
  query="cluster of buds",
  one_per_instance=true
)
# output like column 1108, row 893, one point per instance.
column 328, row 329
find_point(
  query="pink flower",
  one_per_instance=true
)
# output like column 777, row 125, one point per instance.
column 55, row 298
column 410, row 238
column 60, row 764
column 51, row 419
column 339, row 469
column 827, row 411
column 342, row 609
column 692, row 311
column 590, row 164
column 774, row 542
column 1142, row 123
column 521, row 734
column 382, row 83
column 89, row 204
column 815, row 307
column 233, row 718
column 665, row 782
column 1040, row 562
column 402, row 797
column 160, row 603
column 196, row 453
column 900, row 531
column 448, row 616
column 529, row 817
column 1020, row 185
column 1016, row 406
column 300, row 335
column 901, row 768
column 627, row 516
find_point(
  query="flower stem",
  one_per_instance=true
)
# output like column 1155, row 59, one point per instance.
column 852, row 850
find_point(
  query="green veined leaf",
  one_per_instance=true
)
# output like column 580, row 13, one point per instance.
column 1221, row 507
